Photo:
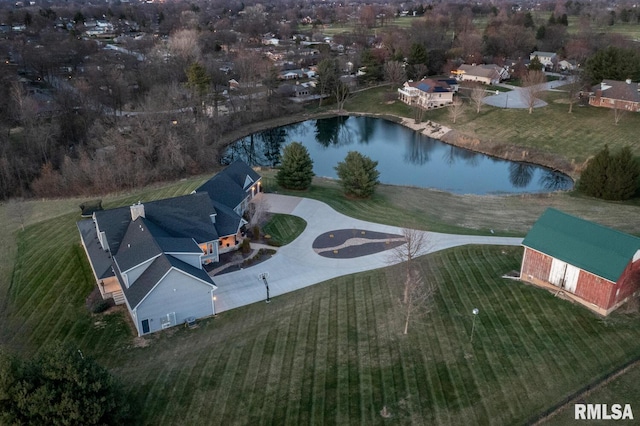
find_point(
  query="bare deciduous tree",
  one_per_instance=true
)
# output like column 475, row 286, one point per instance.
column 456, row 109
column 394, row 73
column 415, row 244
column 478, row 93
column 532, row 86
column 341, row 92
column 258, row 209
column 618, row 111
column 419, row 297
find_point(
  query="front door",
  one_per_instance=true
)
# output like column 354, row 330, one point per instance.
column 145, row 326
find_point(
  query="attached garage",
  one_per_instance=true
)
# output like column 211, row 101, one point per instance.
column 596, row 266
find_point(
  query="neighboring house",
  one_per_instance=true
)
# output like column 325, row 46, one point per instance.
column 485, row 74
column 150, row 256
column 426, row 93
column 295, row 90
column 594, row 265
column 296, row 74
column 567, row 65
column 547, row 59
column 614, row 94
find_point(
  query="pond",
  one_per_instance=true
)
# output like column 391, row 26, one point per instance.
column 405, row 157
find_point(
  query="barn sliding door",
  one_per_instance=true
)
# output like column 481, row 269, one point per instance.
column 564, row 275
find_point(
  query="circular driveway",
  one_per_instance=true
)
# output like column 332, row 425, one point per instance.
column 297, row 265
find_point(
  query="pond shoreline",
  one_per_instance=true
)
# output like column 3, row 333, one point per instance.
column 428, row 128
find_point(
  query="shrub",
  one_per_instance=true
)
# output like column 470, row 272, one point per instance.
column 246, row 246
column 100, row 306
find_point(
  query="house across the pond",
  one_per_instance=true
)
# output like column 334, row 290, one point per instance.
column 151, row 256
column 596, row 266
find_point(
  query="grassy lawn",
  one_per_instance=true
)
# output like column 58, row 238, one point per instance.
column 623, row 390
column 284, row 228
column 332, row 353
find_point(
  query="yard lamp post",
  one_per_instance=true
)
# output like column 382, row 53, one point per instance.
column 213, row 303
column 263, row 276
column 475, row 313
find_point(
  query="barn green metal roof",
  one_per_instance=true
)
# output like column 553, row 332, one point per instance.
column 589, row 246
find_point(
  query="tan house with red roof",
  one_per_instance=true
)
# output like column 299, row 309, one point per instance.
column 616, row 95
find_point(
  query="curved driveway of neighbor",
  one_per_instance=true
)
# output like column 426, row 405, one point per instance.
column 297, row 265
column 515, row 98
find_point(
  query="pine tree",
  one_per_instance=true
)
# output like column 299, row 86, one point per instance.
column 358, row 175
column 296, row 170
column 611, row 177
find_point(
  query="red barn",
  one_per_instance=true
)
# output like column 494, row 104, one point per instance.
column 597, row 266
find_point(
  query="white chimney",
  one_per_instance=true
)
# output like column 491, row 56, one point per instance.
column 137, row 210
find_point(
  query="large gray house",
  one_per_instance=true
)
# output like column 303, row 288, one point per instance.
column 150, row 255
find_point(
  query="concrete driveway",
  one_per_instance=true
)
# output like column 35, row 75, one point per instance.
column 515, row 98
column 296, row 265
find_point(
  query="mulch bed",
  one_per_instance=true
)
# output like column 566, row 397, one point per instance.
column 359, row 250
column 339, row 236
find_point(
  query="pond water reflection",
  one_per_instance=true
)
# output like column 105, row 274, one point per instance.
column 405, row 157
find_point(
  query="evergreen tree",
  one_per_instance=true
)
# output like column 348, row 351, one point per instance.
column 358, row 175
column 416, row 60
column 528, row 21
column 615, row 63
column 373, row 67
column 611, row 177
column 535, row 64
column 296, row 170
column 198, row 79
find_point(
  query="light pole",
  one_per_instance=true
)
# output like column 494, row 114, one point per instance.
column 263, row 276
column 506, row 100
column 475, row 313
column 214, row 306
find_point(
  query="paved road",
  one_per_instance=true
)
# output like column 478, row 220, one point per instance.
column 296, row 265
column 515, row 98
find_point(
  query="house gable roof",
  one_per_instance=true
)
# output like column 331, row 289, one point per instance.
column 620, row 90
column 137, row 246
column 479, row 71
column 150, row 278
column 188, row 216
column 589, row 246
column 100, row 259
column 114, row 223
column 230, row 185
